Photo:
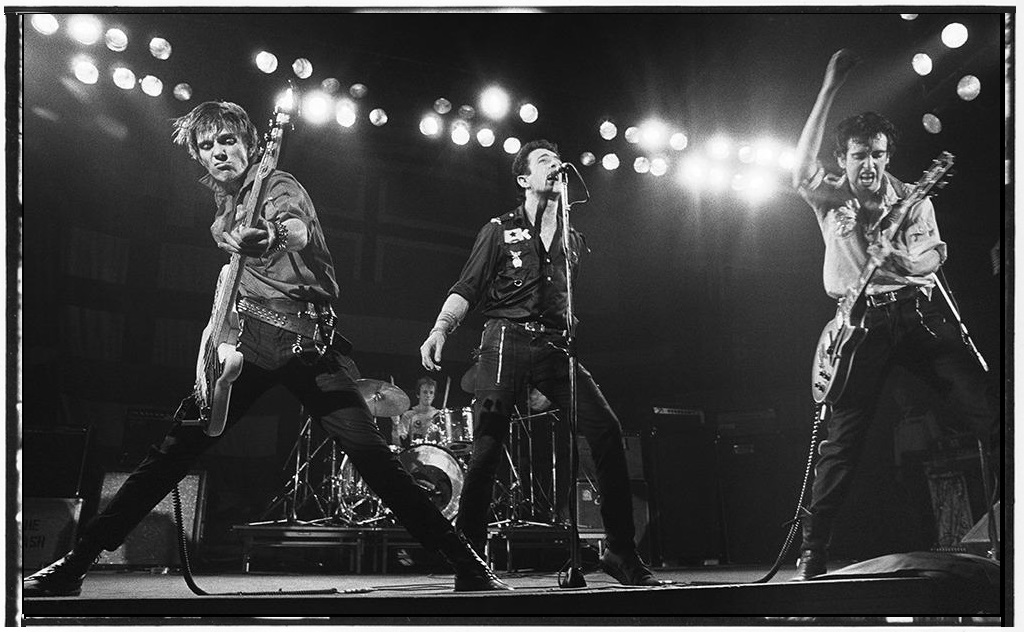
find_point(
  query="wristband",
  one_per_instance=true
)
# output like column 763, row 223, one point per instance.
column 280, row 243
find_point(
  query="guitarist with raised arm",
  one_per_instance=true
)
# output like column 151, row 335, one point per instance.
column 882, row 249
column 276, row 326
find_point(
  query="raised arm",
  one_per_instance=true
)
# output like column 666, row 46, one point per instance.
column 809, row 145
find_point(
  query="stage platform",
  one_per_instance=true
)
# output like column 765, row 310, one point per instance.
column 712, row 595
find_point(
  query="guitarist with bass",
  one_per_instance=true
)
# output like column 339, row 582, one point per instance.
column 882, row 249
column 276, row 326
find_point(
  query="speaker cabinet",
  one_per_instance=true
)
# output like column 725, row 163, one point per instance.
column 154, row 542
column 54, row 462
column 685, row 504
column 48, row 529
column 588, row 511
column 143, row 427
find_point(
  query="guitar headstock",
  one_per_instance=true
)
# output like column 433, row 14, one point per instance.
column 936, row 176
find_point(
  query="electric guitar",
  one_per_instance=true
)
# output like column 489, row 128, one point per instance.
column 220, row 363
column 844, row 333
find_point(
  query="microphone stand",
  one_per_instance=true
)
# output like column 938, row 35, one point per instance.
column 574, row 577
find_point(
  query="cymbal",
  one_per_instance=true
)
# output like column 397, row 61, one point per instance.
column 384, row 398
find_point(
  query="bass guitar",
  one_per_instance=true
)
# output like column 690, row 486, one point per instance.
column 220, row 363
column 844, row 333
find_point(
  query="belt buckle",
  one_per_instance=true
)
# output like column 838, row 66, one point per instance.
column 534, row 327
column 884, row 298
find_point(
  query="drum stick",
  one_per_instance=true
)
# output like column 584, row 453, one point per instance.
column 444, row 406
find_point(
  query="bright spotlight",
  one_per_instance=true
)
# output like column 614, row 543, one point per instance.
column 303, row 68
column 764, row 152
column 85, row 71
column 85, row 29
column 719, row 147
column 378, row 117
column 745, row 154
column 316, row 109
column 641, row 165
column 678, row 141
column 932, row 124
column 954, row 35
column 467, row 112
column 653, row 134
column 358, row 90
column 968, row 88
column 286, row 100
column 495, row 102
column 528, row 112
column 266, row 61
column 632, row 134
column 787, row 159
column 485, row 136
column 442, row 106
column 160, row 48
column 430, row 125
column 330, row 85
column 116, row 39
column 610, row 162
column 659, row 167
column 345, row 112
column 608, row 130
column 152, row 86
column 460, row 133
column 512, row 145
column 718, row 178
column 45, row 23
column 908, row 16
column 692, row 172
column 758, row 187
column 588, row 158
column 922, row 64
column 123, row 77
column 183, row 92
column 739, row 182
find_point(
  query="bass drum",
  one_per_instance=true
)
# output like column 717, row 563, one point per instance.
column 438, row 472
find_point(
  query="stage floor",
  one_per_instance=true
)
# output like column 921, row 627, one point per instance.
column 708, row 595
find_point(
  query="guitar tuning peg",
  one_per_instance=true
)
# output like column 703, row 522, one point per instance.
column 941, row 185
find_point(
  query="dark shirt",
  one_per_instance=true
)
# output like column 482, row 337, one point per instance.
column 304, row 275
column 510, row 275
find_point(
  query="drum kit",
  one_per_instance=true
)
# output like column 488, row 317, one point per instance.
column 324, row 486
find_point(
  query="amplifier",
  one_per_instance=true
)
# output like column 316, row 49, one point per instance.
column 588, row 512
column 48, row 530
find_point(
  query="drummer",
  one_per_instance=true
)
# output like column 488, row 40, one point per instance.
column 419, row 423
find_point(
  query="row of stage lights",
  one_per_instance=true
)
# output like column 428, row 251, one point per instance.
column 764, row 162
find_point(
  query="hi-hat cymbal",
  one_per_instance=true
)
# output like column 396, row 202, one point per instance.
column 384, row 398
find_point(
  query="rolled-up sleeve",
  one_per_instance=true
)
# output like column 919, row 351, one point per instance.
column 478, row 272
column 922, row 232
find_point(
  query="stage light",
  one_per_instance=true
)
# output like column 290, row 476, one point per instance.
column 378, row 117
column 123, row 77
column 954, row 35
column 931, row 123
column 495, row 103
column 460, row 133
column 758, row 187
column 908, row 16
column 345, row 112
column 442, row 106
column 632, row 134
column 653, row 134
column 485, row 136
column 286, row 100
column 659, row 167
column 266, row 62
column 85, row 29
column 183, row 92
column 303, row 68
column 45, row 23
column 467, row 112
column 512, row 145
column 968, row 88
column 160, row 48
column 607, row 130
column 718, row 178
column 787, row 159
column 430, row 125
column 641, row 165
column 678, row 141
column 528, row 112
column 922, row 64
column 358, row 90
column 316, row 109
column 719, row 147
column 588, row 158
column 116, row 39
column 692, row 172
column 85, row 71
column 745, row 154
column 152, row 86
column 330, row 85
column 610, row 162
column 764, row 152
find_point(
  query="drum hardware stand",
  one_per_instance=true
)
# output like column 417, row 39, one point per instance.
column 514, row 495
column 290, row 498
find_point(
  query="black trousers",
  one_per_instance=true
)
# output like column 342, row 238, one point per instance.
column 511, row 359
column 914, row 333
column 326, row 386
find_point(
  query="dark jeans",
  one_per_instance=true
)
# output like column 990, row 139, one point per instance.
column 326, row 386
column 512, row 358
column 913, row 333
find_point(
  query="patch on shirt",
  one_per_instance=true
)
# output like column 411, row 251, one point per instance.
column 517, row 261
column 844, row 220
column 517, row 235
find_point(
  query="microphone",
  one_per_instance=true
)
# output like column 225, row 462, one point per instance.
column 561, row 168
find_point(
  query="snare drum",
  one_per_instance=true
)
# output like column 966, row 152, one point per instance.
column 458, row 428
column 438, row 472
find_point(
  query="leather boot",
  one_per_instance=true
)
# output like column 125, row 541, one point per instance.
column 64, row 577
column 812, row 563
column 471, row 573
